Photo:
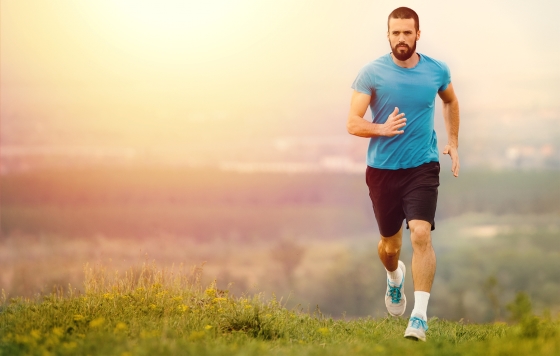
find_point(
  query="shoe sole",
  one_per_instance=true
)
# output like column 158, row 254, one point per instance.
column 411, row 335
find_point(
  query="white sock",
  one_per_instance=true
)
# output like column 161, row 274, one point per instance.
column 395, row 277
column 421, row 304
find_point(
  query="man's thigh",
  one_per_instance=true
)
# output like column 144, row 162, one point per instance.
column 386, row 200
column 419, row 201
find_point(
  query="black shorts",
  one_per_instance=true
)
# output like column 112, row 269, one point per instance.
column 401, row 194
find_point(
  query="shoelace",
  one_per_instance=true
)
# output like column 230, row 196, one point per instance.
column 394, row 293
column 418, row 323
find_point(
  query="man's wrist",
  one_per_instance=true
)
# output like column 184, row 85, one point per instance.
column 378, row 130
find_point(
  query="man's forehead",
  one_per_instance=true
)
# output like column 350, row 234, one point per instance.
column 401, row 24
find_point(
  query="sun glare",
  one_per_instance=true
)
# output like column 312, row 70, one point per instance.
column 190, row 30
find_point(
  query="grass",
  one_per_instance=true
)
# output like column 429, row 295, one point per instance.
column 153, row 311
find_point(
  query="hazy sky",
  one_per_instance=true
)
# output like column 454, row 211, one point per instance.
column 116, row 64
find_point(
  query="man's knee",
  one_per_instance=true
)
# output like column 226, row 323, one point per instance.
column 392, row 251
column 420, row 235
column 390, row 247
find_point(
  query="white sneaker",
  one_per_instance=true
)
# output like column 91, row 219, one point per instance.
column 416, row 329
column 395, row 300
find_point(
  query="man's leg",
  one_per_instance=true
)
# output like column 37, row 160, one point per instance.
column 389, row 250
column 423, row 255
column 423, row 271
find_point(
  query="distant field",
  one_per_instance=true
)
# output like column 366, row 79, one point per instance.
column 197, row 204
column 205, row 204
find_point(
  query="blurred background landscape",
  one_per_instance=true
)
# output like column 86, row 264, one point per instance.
column 213, row 133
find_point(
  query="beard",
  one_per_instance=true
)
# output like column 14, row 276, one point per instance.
column 406, row 55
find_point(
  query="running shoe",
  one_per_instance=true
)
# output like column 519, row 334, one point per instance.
column 395, row 300
column 416, row 329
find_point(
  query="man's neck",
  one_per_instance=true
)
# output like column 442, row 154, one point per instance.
column 409, row 63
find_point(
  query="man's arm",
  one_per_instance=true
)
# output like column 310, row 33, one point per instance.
column 451, row 118
column 359, row 126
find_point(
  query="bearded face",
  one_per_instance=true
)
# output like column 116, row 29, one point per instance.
column 403, row 51
column 402, row 36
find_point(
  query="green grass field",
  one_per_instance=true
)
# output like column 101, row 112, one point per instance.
column 153, row 311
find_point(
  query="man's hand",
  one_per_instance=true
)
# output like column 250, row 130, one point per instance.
column 358, row 126
column 394, row 122
column 454, row 154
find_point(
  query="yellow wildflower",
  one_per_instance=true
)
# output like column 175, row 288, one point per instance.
column 36, row 334
column 210, row 292
column 96, row 322
column 324, row 331
column 208, row 327
column 120, row 327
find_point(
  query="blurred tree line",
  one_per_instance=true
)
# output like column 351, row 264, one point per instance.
column 206, row 204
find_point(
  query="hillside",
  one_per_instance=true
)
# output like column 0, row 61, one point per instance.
column 167, row 312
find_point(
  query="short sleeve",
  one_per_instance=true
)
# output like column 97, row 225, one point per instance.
column 445, row 77
column 364, row 82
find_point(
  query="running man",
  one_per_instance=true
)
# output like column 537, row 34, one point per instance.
column 402, row 160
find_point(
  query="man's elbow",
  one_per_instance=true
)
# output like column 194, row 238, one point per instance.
column 351, row 127
column 452, row 102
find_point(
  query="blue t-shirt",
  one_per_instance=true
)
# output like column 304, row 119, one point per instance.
column 413, row 91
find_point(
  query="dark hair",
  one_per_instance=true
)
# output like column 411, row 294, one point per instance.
column 404, row 13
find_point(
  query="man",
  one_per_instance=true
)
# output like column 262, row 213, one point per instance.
column 403, row 161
